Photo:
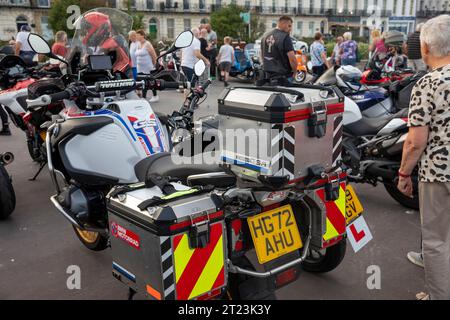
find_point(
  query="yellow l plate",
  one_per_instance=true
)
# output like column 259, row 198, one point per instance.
column 274, row 233
column 353, row 207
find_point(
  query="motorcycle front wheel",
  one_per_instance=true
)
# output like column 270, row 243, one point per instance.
column 325, row 260
column 92, row 240
column 7, row 195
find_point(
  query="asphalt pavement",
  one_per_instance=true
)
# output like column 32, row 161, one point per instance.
column 38, row 245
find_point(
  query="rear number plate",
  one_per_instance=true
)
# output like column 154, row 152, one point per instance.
column 274, row 233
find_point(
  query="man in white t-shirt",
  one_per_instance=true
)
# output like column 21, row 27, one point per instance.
column 22, row 48
column 190, row 55
column 225, row 59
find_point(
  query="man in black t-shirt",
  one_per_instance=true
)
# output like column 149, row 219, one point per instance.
column 278, row 53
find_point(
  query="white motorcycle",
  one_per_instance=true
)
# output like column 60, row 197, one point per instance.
column 104, row 132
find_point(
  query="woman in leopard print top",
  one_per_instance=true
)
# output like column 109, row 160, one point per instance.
column 428, row 143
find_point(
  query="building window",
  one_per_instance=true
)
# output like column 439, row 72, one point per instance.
column 133, row 4
column 44, row 3
column 150, row 5
column 366, row 5
column 170, row 28
column 112, row 3
column 411, row 8
column 300, row 27
column 403, row 7
column 185, row 4
column 345, row 6
column 384, row 5
column 153, row 28
column 201, row 4
column 187, row 24
column 394, row 10
column 322, row 6
column 311, row 28
column 355, row 6
column 311, row 6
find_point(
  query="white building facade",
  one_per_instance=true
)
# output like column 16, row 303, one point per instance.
column 164, row 19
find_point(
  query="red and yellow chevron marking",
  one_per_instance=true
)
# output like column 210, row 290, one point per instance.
column 336, row 222
column 198, row 271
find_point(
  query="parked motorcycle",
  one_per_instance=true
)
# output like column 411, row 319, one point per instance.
column 7, row 195
column 15, row 80
column 373, row 101
column 245, row 67
column 102, row 132
column 372, row 148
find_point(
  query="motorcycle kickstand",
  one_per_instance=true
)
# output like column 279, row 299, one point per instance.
column 130, row 294
column 39, row 171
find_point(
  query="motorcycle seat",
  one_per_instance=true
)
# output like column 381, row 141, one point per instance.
column 371, row 126
column 164, row 165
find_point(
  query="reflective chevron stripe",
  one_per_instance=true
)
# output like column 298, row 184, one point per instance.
column 283, row 151
column 199, row 270
column 335, row 211
column 337, row 140
column 167, row 268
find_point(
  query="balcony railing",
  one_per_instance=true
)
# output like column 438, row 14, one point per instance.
column 15, row 3
column 431, row 13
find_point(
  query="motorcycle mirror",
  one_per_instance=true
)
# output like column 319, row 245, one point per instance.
column 38, row 44
column 199, row 68
column 183, row 40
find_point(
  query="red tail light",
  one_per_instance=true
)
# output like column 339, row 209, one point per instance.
column 286, row 277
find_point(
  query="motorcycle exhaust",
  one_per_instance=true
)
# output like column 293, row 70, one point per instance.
column 6, row 158
column 385, row 169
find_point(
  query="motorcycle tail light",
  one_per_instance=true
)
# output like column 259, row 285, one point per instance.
column 27, row 116
column 286, row 277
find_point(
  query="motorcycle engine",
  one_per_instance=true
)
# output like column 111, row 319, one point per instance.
column 86, row 206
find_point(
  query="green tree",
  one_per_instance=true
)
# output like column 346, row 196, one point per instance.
column 138, row 17
column 58, row 12
column 227, row 22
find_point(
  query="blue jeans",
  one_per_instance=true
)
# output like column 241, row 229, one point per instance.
column 348, row 62
column 189, row 73
column 27, row 56
column 135, row 73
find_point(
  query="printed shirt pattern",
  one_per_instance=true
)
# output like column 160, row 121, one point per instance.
column 430, row 106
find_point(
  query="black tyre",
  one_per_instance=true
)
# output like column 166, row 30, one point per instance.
column 325, row 260
column 7, row 195
column 92, row 240
column 244, row 287
column 412, row 203
column 32, row 150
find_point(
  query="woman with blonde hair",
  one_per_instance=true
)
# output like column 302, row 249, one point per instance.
column 377, row 45
column 59, row 47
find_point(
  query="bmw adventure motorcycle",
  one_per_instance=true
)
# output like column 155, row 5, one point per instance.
column 104, row 130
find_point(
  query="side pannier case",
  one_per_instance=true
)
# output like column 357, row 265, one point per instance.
column 168, row 249
column 281, row 131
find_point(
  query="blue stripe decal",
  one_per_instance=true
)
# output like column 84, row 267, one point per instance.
column 124, row 272
column 245, row 164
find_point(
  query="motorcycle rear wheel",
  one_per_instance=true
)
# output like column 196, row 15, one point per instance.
column 325, row 260
column 92, row 240
column 7, row 195
column 411, row 203
column 300, row 76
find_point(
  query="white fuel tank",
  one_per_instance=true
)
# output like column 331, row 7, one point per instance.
column 114, row 149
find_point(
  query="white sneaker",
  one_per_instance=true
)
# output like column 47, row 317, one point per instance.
column 422, row 296
column 154, row 99
column 416, row 258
